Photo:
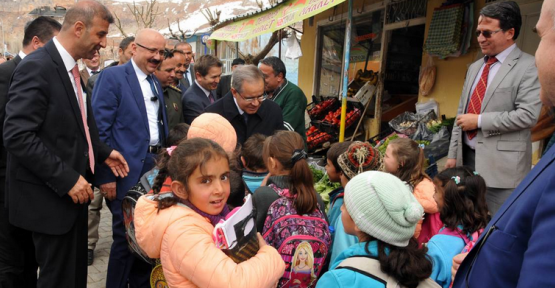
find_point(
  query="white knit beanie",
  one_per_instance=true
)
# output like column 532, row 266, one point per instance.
column 382, row 206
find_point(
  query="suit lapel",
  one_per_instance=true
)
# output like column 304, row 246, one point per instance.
column 474, row 70
column 70, row 92
column 137, row 92
column 505, row 68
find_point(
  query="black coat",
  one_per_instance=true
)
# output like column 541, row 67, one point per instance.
column 224, row 86
column 47, row 148
column 267, row 120
column 194, row 101
column 6, row 71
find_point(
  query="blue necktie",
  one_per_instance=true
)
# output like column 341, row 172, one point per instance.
column 162, row 139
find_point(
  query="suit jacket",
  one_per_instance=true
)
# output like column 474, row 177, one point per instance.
column 6, row 71
column 224, row 86
column 519, row 249
column 510, row 109
column 194, row 101
column 84, row 75
column 120, row 112
column 266, row 121
column 184, row 81
column 45, row 161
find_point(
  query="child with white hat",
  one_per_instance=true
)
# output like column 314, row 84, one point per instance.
column 382, row 212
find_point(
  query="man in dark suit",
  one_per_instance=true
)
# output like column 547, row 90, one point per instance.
column 48, row 166
column 92, row 67
column 201, row 93
column 125, row 53
column 225, row 82
column 18, row 267
column 245, row 107
column 185, row 69
column 516, row 249
column 129, row 109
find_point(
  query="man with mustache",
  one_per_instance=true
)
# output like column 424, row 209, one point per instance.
column 186, row 71
column 208, row 70
column 128, row 105
column 499, row 105
column 53, row 145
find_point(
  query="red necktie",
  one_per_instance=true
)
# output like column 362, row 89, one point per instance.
column 475, row 103
column 77, row 77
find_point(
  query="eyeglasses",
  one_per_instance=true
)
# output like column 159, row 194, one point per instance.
column 486, row 33
column 251, row 99
column 152, row 50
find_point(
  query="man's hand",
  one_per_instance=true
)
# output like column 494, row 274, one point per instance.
column 451, row 163
column 457, row 260
column 81, row 191
column 117, row 163
column 108, row 190
column 467, row 122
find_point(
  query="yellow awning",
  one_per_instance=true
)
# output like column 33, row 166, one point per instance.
column 290, row 12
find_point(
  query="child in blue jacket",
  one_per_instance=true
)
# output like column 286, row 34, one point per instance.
column 380, row 210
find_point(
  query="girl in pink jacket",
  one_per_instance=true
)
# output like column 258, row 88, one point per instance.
column 177, row 226
column 405, row 159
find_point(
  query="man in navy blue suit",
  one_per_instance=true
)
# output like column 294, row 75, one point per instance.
column 517, row 247
column 202, row 93
column 128, row 105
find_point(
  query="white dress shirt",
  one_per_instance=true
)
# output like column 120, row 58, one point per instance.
column 206, row 92
column 151, row 106
column 69, row 63
column 21, row 54
column 493, row 69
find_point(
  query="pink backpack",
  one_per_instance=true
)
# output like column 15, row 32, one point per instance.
column 469, row 241
column 303, row 241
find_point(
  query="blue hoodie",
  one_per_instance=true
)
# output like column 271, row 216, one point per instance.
column 340, row 240
column 347, row 278
column 442, row 248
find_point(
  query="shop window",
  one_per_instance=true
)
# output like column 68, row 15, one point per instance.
column 402, row 10
column 365, row 52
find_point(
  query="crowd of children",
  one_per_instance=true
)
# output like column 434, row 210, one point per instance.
column 388, row 225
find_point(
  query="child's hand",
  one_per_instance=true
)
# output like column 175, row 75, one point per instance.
column 261, row 241
column 457, row 260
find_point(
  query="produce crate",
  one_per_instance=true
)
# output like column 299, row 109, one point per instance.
column 317, row 111
column 317, row 138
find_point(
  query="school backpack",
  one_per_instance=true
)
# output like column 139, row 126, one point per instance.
column 469, row 240
column 128, row 207
column 303, row 241
column 370, row 267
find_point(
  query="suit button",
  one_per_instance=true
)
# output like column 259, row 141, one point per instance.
column 86, row 154
column 143, row 160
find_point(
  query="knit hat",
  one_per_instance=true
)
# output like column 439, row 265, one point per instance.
column 382, row 206
column 214, row 127
column 360, row 157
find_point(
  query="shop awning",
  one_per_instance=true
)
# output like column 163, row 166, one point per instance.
column 289, row 12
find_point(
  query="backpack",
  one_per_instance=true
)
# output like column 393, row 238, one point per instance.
column 469, row 240
column 303, row 241
column 128, row 207
column 370, row 267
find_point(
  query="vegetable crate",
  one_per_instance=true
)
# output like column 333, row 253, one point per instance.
column 315, row 138
column 321, row 109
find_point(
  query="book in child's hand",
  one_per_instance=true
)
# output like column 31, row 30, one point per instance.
column 236, row 236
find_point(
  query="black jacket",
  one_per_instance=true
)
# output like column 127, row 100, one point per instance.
column 194, row 100
column 224, row 86
column 47, row 148
column 266, row 120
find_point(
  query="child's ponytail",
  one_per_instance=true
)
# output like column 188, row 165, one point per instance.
column 163, row 174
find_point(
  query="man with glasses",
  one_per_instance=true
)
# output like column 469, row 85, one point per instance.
column 245, row 107
column 498, row 106
column 128, row 105
column 202, row 91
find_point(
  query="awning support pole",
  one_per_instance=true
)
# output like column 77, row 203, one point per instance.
column 346, row 57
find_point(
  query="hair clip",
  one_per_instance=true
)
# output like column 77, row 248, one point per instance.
column 298, row 154
column 421, row 145
column 457, row 179
column 476, row 173
column 170, row 150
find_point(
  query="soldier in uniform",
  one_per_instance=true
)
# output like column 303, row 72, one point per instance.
column 172, row 95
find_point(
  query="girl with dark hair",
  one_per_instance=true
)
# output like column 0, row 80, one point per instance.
column 461, row 197
column 380, row 210
column 405, row 159
column 175, row 223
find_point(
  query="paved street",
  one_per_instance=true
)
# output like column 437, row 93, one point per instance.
column 97, row 271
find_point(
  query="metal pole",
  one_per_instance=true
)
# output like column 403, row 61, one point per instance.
column 346, row 57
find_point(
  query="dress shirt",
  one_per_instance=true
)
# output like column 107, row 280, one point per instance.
column 207, row 92
column 90, row 71
column 501, row 57
column 151, row 106
column 69, row 63
column 21, row 54
column 240, row 110
column 188, row 75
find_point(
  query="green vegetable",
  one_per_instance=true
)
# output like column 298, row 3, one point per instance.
column 324, row 187
column 316, row 173
column 386, row 142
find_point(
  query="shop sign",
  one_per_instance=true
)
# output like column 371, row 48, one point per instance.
column 286, row 14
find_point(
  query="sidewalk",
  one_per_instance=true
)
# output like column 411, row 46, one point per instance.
column 97, row 271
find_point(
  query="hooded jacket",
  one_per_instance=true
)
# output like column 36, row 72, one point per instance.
column 182, row 239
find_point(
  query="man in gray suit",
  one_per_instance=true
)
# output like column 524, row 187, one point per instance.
column 498, row 106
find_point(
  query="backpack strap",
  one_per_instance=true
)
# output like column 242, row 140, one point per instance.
column 370, row 266
column 455, row 232
column 340, row 195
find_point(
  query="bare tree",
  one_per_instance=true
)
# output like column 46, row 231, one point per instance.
column 212, row 17
column 183, row 35
column 145, row 15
